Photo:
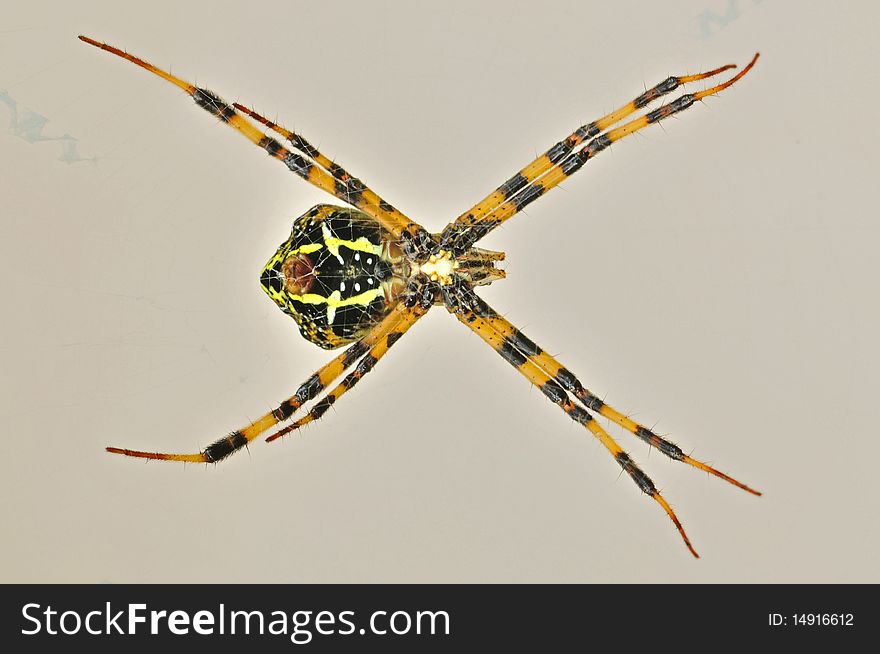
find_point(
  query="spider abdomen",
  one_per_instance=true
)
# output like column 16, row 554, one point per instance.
column 337, row 274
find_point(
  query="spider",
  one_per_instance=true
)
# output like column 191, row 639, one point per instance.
column 361, row 277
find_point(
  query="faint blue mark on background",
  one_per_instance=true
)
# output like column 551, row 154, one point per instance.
column 712, row 20
column 28, row 125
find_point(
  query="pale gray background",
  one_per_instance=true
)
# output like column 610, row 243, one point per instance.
column 715, row 276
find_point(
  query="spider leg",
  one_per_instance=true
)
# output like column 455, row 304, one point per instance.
column 562, row 149
column 365, row 365
column 561, row 161
column 343, row 178
column 475, row 319
column 525, row 356
column 513, row 338
column 351, row 190
column 309, row 390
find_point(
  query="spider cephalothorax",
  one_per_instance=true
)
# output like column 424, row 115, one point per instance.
column 362, row 277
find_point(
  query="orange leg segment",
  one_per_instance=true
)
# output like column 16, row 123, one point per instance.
column 477, row 317
column 309, row 390
column 560, row 162
column 350, row 189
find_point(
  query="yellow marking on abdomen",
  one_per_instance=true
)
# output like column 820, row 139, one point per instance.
column 335, row 298
column 363, row 244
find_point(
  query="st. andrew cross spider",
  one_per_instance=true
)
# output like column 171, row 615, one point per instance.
column 362, row 277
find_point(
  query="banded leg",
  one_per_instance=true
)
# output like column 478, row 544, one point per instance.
column 309, row 390
column 560, row 161
column 475, row 315
column 365, row 365
column 514, row 341
column 562, row 149
column 350, row 191
column 343, row 178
